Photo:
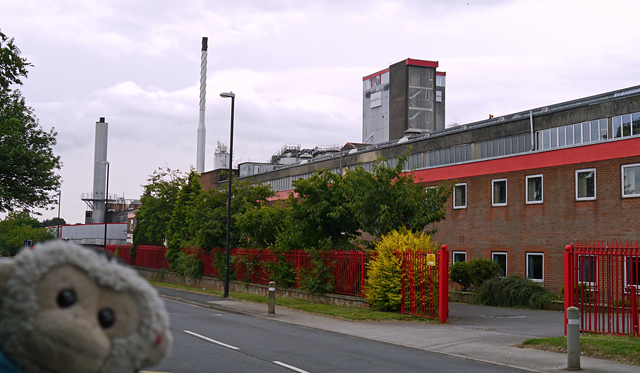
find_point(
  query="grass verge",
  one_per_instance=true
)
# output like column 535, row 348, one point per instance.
column 622, row 349
column 341, row 312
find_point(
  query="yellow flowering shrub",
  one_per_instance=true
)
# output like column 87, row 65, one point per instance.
column 384, row 281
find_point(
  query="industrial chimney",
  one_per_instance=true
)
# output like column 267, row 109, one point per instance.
column 100, row 171
column 202, row 131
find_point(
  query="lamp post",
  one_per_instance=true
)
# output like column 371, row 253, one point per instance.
column 226, row 269
column 59, row 198
column 106, row 205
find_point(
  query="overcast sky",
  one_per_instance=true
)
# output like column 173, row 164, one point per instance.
column 296, row 68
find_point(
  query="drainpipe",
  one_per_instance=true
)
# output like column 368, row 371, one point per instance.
column 532, row 134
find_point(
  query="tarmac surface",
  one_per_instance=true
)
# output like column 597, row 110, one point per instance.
column 487, row 334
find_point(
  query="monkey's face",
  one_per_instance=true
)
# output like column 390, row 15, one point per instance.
column 77, row 321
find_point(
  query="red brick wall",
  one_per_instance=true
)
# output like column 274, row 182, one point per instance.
column 546, row 228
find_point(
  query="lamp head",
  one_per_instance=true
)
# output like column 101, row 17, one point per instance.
column 227, row 94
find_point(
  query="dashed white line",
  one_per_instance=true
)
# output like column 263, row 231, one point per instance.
column 290, row 367
column 212, row 340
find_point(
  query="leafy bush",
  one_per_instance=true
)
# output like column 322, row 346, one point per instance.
column 317, row 278
column 281, row 270
column 384, row 283
column 460, row 273
column 483, row 269
column 514, row 291
column 188, row 265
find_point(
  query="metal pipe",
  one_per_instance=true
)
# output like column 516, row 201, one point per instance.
column 202, row 131
column 532, row 135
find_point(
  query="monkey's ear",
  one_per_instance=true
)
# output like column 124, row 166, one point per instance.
column 6, row 269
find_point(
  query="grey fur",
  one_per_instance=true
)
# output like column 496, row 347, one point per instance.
column 19, row 304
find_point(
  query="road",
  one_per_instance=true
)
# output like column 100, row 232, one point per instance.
column 207, row 340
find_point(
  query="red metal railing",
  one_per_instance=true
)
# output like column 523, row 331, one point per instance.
column 425, row 278
column 151, row 257
column 425, row 284
column 602, row 280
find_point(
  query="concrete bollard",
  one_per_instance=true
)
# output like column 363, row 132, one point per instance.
column 272, row 297
column 573, row 338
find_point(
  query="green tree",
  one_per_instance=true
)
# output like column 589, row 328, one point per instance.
column 178, row 233
column 158, row 201
column 323, row 212
column 27, row 165
column 17, row 227
column 388, row 199
column 53, row 222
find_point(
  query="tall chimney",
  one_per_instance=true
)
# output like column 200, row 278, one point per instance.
column 202, row 131
column 100, row 171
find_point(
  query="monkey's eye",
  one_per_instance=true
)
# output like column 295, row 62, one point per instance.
column 106, row 317
column 66, row 298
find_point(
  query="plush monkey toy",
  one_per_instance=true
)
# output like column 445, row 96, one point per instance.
column 65, row 308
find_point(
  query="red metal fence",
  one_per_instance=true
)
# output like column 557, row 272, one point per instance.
column 425, row 284
column 425, row 276
column 602, row 280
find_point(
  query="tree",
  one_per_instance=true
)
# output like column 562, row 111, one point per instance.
column 18, row 227
column 178, row 233
column 158, row 201
column 323, row 211
column 27, row 165
column 388, row 199
column 53, row 222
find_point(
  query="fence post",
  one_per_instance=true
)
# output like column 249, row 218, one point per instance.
column 362, row 273
column 568, row 282
column 443, row 306
column 633, row 293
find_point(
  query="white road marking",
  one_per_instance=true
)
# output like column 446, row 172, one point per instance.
column 212, row 340
column 290, row 367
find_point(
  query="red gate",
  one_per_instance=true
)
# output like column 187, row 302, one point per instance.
column 602, row 280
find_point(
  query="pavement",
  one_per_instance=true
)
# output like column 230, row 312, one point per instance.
column 487, row 334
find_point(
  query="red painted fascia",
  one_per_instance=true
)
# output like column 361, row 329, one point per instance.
column 441, row 73
column 375, row 74
column 558, row 157
column 424, row 63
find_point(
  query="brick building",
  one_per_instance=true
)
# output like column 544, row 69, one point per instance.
column 527, row 183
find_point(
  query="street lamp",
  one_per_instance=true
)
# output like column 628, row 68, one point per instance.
column 106, row 205
column 226, row 269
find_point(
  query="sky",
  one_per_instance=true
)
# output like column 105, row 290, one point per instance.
column 296, row 68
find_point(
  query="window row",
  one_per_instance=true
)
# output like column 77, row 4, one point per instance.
column 573, row 134
column 626, row 125
column 534, row 265
column 585, row 187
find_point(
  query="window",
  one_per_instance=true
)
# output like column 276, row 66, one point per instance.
column 535, row 266
column 587, row 269
column 499, row 192
column 533, row 189
column 460, row 196
column 632, row 271
column 631, row 180
column 586, row 185
column 501, row 259
column 459, row 256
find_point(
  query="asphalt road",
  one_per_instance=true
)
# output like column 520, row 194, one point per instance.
column 207, row 340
